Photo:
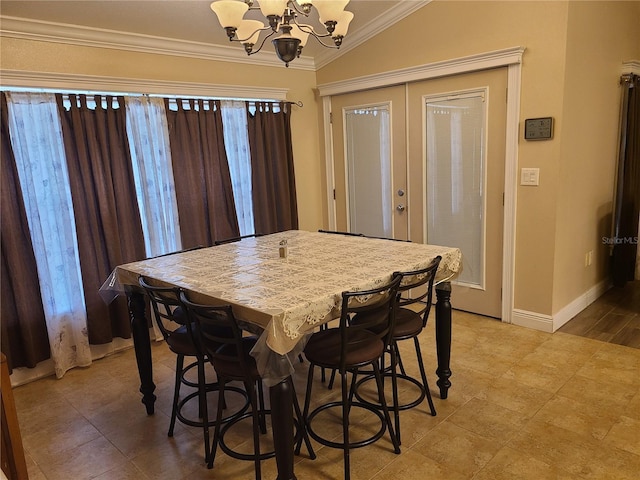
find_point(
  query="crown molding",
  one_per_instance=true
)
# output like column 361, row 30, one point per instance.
column 99, row 84
column 632, row 66
column 498, row 58
column 36, row 30
column 375, row 26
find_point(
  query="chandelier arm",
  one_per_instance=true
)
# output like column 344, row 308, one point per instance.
column 292, row 5
column 252, row 34
column 309, row 29
column 263, row 40
column 324, row 44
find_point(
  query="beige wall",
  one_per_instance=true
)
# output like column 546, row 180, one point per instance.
column 600, row 37
column 574, row 51
column 561, row 219
column 33, row 56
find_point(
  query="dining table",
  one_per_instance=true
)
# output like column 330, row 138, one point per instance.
column 283, row 286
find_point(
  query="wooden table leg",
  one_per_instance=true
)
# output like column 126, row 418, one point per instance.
column 142, row 346
column 443, row 336
column 281, row 395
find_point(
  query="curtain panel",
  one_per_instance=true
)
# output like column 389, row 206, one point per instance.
column 627, row 201
column 77, row 172
column 151, row 159
column 275, row 206
column 104, row 202
column 36, row 139
column 24, row 329
column 204, row 192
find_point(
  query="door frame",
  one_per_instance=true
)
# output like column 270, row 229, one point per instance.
column 510, row 58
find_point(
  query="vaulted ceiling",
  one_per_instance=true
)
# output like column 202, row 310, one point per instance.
column 176, row 26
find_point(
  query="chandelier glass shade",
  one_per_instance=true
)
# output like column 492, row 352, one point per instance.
column 289, row 35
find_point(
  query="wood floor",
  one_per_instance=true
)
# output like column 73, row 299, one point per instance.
column 613, row 318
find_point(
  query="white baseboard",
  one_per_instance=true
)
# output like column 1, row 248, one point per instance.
column 537, row 321
column 549, row 323
column 579, row 304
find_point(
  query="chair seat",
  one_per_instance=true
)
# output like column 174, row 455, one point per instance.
column 233, row 369
column 323, row 348
column 179, row 341
column 408, row 324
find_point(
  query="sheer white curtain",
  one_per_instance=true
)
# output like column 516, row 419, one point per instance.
column 236, row 140
column 151, row 157
column 36, row 137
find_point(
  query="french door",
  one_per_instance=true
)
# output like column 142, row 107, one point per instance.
column 370, row 151
column 425, row 161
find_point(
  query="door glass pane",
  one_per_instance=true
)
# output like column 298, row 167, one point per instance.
column 368, row 159
column 455, row 179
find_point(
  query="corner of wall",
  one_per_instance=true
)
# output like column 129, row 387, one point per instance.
column 551, row 323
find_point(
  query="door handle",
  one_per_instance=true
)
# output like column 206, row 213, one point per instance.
column 400, row 208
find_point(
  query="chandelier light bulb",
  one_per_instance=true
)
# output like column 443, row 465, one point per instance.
column 249, row 31
column 229, row 12
column 273, row 7
column 330, row 10
column 343, row 24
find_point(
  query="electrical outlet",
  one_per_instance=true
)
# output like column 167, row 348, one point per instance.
column 588, row 258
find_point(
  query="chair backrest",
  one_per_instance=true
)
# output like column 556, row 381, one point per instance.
column 388, row 238
column 216, row 333
column 165, row 303
column 197, row 247
column 341, row 233
column 416, row 287
column 377, row 308
column 236, row 239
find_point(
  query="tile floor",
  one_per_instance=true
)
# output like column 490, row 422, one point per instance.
column 524, row 405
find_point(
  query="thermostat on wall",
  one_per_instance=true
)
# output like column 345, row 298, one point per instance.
column 538, row 128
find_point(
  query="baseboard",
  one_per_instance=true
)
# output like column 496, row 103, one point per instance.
column 537, row 321
column 579, row 304
column 549, row 323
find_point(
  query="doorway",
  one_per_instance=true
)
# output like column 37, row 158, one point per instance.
column 438, row 151
column 370, row 150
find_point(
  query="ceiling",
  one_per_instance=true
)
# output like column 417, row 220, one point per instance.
column 189, row 24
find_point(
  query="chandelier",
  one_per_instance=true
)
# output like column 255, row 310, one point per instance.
column 282, row 16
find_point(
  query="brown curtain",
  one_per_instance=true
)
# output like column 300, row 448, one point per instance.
column 24, row 330
column 204, row 194
column 104, row 202
column 273, row 181
column 627, row 204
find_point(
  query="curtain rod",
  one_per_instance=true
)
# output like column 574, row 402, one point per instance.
column 66, row 94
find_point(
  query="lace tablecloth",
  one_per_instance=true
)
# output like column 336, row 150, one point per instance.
column 288, row 297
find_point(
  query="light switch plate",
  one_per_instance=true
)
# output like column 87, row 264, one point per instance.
column 530, row 176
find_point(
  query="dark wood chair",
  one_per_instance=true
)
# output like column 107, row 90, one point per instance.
column 170, row 318
column 414, row 305
column 334, row 232
column 236, row 239
column 346, row 349
column 217, row 335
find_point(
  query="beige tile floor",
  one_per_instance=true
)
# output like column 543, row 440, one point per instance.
column 523, row 405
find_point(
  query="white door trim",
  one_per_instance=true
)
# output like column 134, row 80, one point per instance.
column 510, row 58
